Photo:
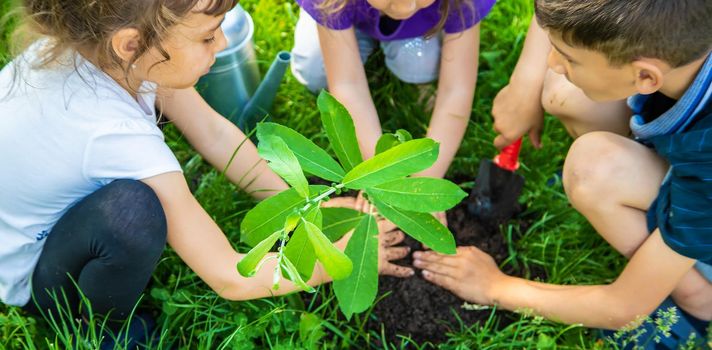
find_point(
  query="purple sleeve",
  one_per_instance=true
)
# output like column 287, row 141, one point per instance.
column 472, row 13
column 343, row 19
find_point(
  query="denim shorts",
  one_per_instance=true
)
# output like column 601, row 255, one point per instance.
column 650, row 216
column 415, row 60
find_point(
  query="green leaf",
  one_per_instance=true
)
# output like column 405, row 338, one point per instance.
column 169, row 308
column 310, row 328
column 340, row 130
column 357, row 292
column 338, row 221
column 315, row 216
column 403, row 135
column 247, row 265
column 294, row 275
column 545, row 342
column 160, row 294
column 421, row 226
column 299, row 249
column 386, row 142
column 312, row 158
column 283, row 161
column 335, row 262
column 290, row 223
column 421, row 194
column 397, row 162
column 270, row 214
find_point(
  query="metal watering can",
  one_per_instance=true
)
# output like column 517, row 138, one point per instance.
column 233, row 87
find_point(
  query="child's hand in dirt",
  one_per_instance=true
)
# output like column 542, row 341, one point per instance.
column 470, row 274
column 388, row 237
column 517, row 110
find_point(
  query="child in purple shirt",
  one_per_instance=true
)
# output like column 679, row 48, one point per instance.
column 423, row 40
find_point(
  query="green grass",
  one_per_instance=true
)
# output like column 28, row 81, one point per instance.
column 6, row 24
column 559, row 240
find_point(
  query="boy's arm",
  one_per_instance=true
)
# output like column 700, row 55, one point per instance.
column 346, row 79
column 216, row 139
column 517, row 108
column 456, row 89
column 650, row 276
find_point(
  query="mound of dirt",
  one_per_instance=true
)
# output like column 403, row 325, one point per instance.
column 424, row 311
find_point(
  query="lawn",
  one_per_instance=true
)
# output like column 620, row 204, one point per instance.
column 557, row 240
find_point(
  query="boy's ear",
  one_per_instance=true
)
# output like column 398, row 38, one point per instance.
column 125, row 43
column 649, row 76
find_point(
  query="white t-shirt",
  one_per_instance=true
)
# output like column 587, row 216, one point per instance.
column 65, row 132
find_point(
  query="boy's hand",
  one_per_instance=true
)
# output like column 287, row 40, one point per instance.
column 470, row 274
column 517, row 110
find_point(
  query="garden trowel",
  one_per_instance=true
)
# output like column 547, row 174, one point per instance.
column 497, row 187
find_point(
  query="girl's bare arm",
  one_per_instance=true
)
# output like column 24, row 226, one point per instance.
column 456, row 89
column 217, row 139
column 201, row 244
column 346, row 78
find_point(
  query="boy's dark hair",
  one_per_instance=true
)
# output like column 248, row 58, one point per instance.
column 675, row 31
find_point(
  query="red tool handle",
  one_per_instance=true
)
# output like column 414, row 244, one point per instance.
column 508, row 158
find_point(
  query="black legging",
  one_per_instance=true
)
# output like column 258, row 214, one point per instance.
column 109, row 243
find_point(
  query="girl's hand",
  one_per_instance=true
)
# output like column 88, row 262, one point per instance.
column 517, row 110
column 363, row 205
column 340, row 202
column 470, row 274
column 388, row 237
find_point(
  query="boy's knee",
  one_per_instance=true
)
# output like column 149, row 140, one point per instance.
column 693, row 294
column 589, row 164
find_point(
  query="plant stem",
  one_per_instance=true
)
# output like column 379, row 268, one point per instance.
column 280, row 256
column 320, row 197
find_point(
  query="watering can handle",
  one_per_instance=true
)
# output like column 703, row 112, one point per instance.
column 508, row 158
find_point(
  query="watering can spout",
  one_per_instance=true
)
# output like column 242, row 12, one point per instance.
column 261, row 102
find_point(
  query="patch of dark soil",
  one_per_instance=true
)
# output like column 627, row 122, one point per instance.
column 424, row 311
